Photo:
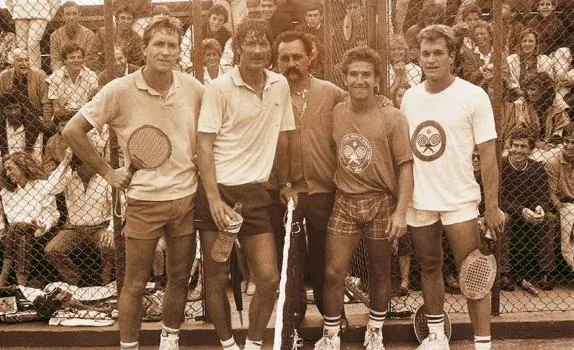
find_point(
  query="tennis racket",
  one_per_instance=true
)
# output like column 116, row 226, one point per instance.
column 478, row 270
column 421, row 328
column 148, row 148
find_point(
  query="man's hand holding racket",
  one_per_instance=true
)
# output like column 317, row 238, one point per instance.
column 119, row 178
column 220, row 212
column 494, row 219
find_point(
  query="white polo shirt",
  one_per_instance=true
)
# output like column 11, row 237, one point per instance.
column 247, row 126
column 444, row 128
column 128, row 103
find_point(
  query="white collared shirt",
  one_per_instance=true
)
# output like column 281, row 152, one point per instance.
column 16, row 138
column 72, row 95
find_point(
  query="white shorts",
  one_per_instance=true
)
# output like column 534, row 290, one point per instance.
column 420, row 218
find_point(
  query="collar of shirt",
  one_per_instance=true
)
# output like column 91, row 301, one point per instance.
column 81, row 75
column 270, row 78
column 485, row 58
column 143, row 85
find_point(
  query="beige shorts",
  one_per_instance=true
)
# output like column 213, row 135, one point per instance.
column 153, row 219
column 420, row 218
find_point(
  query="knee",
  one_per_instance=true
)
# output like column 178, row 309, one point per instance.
column 53, row 252
column 430, row 263
column 134, row 288
column 333, row 275
column 215, row 280
column 268, row 281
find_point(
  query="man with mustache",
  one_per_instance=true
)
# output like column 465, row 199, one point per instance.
column 243, row 121
column 312, row 158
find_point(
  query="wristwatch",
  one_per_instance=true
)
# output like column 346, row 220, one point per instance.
column 287, row 184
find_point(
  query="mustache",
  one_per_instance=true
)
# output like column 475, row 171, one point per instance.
column 293, row 70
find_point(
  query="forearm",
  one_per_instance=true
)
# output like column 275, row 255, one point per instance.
column 489, row 173
column 206, row 164
column 556, row 201
column 282, row 157
column 406, row 185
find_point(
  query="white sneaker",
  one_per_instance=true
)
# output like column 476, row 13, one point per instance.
column 433, row 343
column 328, row 343
column 168, row 343
column 373, row 339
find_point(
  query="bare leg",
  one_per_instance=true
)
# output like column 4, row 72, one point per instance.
column 380, row 252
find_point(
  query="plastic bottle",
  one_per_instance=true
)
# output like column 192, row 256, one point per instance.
column 224, row 243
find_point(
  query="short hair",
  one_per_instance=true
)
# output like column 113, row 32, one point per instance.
column 469, row 8
column 554, row 2
column 219, row 10
column 69, row 3
column 71, row 48
column 125, row 8
column 249, row 25
column 362, row 54
column 522, row 133
column 545, row 85
column 437, row 31
column 399, row 40
column 169, row 24
column 483, row 24
column 160, row 10
column 274, row 2
column 290, row 36
column 313, row 5
column 524, row 33
column 212, row 44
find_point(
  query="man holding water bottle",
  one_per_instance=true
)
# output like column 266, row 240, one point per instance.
column 243, row 121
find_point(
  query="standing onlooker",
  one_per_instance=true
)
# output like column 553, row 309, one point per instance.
column 237, row 10
column 278, row 22
column 511, row 27
column 71, row 32
column 31, row 18
column 124, row 37
column 401, row 71
column 313, row 20
column 211, row 56
column 552, row 33
column 243, row 121
column 470, row 14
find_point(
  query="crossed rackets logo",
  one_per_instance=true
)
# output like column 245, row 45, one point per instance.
column 355, row 152
column 428, row 141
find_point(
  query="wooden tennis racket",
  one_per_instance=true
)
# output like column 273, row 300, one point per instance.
column 421, row 328
column 478, row 270
column 148, row 148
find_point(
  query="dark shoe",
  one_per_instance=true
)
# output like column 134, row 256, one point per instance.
column 400, row 292
column 546, row 283
column 507, row 284
column 528, row 287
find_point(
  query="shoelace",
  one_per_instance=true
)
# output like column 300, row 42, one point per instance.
column 325, row 343
column 297, row 341
column 373, row 340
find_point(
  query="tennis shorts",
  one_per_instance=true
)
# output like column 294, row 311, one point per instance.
column 256, row 203
column 354, row 216
column 153, row 219
column 420, row 218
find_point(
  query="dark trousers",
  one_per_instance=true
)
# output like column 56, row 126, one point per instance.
column 315, row 209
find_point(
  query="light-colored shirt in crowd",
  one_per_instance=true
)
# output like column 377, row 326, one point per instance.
column 413, row 71
column 60, row 38
column 246, row 126
column 16, row 138
column 72, row 94
column 561, row 177
column 444, row 127
column 127, row 103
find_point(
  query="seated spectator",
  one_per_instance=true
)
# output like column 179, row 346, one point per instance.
column 470, row 13
column 211, row 57
column 157, row 11
column 88, row 199
column 7, row 39
column 481, row 35
column 313, row 23
column 25, row 82
column 121, row 68
column 511, row 27
column 19, row 132
column 525, row 197
column 537, row 112
column 278, row 22
column 124, row 37
column 401, row 71
column 29, row 209
column 431, row 14
column 466, row 64
column 552, row 32
column 71, row 32
column 71, row 86
column 526, row 61
column 561, row 180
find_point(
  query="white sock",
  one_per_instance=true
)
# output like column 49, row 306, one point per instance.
column 169, row 333
column 436, row 325
column 482, row 342
column 253, row 344
column 229, row 344
column 331, row 325
column 129, row 346
column 377, row 319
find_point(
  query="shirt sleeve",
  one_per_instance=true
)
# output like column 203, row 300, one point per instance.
column 400, row 143
column 103, row 108
column 212, row 111
column 483, row 127
column 553, row 170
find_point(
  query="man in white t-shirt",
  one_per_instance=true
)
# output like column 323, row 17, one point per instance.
column 243, row 120
column 447, row 117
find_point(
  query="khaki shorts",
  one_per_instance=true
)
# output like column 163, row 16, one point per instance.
column 153, row 219
column 361, row 216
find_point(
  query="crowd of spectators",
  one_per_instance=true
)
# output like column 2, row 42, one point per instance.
column 537, row 81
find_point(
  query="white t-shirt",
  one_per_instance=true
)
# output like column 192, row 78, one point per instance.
column 444, row 128
column 247, row 127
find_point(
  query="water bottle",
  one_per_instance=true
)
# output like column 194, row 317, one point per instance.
column 225, row 240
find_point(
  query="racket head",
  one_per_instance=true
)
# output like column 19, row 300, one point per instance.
column 148, row 148
column 421, row 328
column 477, row 274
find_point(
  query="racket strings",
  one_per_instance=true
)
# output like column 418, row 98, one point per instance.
column 149, row 147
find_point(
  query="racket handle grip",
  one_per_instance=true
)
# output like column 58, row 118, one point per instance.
column 226, row 239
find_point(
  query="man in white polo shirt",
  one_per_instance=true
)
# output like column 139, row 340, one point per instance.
column 243, row 120
column 447, row 117
column 161, row 201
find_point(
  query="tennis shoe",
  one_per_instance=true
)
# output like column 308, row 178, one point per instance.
column 373, row 339
column 328, row 343
column 432, row 342
column 297, row 340
column 168, row 343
